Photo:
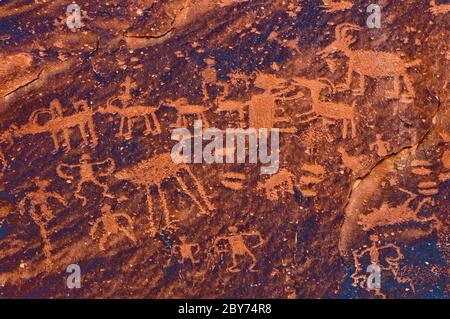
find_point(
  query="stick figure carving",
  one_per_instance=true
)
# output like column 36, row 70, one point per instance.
column 238, row 247
column 325, row 109
column 374, row 252
column 154, row 171
column 41, row 212
column 111, row 226
column 129, row 113
column 86, row 168
column 282, row 181
column 369, row 63
column 186, row 251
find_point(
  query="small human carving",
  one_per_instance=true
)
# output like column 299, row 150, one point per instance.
column 186, row 251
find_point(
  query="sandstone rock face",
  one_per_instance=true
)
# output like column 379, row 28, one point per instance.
column 87, row 116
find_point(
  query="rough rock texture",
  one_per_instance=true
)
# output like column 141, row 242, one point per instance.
column 86, row 122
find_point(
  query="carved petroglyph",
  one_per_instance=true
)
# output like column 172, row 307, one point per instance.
column 325, row 109
column 87, row 175
column 233, row 180
column 186, row 251
column 282, row 182
column 111, row 226
column 423, row 168
column 387, row 215
column 390, row 262
column 154, row 171
column 184, row 109
column 370, row 63
column 380, row 146
column 339, row 5
column 60, row 123
column 313, row 175
column 356, row 163
column 437, row 9
column 238, row 247
column 128, row 113
column 41, row 213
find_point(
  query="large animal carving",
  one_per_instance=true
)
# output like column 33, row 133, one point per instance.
column 367, row 63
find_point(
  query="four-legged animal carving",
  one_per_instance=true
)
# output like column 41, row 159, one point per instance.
column 184, row 109
column 154, row 171
column 111, row 226
column 370, row 63
column 283, row 180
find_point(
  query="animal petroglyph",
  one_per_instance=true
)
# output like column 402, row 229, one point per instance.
column 283, row 182
column 129, row 113
column 41, row 212
column 111, row 226
column 325, row 109
column 374, row 252
column 367, row 63
column 387, row 215
column 87, row 175
column 380, row 146
column 154, row 171
column 186, row 251
column 60, row 123
column 339, row 5
column 437, row 9
column 238, row 247
column 313, row 174
column 184, row 109
column 356, row 163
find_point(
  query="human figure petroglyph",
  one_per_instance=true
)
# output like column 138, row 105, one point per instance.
column 334, row 6
column 154, row 171
column 282, row 181
column 370, row 63
column 238, row 247
column 388, row 215
column 185, row 109
column 59, row 123
column 111, row 226
column 380, row 146
column 87, row 175
column 437, row 9
column 186, row 251
column 41, row 212
column 326, row 109
column 313, row 174
column 129, row 113
column 374, row 252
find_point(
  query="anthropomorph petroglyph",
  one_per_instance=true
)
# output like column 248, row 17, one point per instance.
column 336, row 5
column 388, row 215
column 82, row 119
column 37, row 205
column 386, row 256
column 87, row 175
column 325, row 109
column 128, row 113
column 112, row 225
column 185, row 109
column 238, row 247
column 282, row 182
column 438, row 9
column 154, row 171
column 367, row 63
column 186, row 251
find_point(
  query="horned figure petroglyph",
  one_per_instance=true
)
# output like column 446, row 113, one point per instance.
column 367, row 63
column 129, row 113
column 339, row 5
column 238, row 247
column 374, row 252
column 86, row 168
column 387, row 215
column 280, row 182
column 437, row 9
column 111, row 226
column 325, row 109
column 185, row 109
column 186, row 251
column 154, row 171
column 41, row 212
column 59, row 123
